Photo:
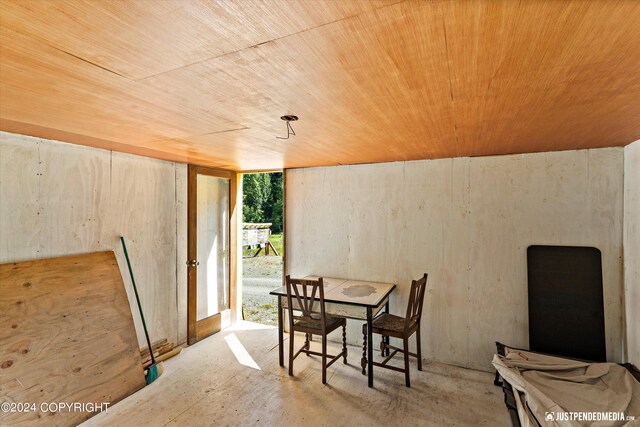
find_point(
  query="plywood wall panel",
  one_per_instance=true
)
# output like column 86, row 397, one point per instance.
column 389, row 222
column 71, row 337
column 60, row 199
column 143, row 210
column 448, row 336
column 545, row 198
column 74, row 199
column 307, row 193
column 467, row 222
column 632, row 250
column 605, row 224
column 19, row 198
column 181, row 250
column 517, row 201
column 375, row 203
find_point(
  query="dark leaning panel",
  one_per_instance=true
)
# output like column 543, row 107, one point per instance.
column 566, row 305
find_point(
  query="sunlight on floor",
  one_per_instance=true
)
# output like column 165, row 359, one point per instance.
column 240, row 352
column 247, row 326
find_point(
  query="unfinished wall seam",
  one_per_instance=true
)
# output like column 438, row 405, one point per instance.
column 468, row 227
column 623, row 296
column 175, row 203
column 631, row 252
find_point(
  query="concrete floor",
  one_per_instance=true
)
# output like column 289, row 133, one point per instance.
column 207, row 384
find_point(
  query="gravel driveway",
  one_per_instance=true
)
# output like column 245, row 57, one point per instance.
column 261, row 275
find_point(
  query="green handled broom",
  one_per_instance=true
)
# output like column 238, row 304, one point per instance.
column 156, row 369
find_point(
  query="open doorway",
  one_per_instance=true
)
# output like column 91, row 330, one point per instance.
column 262, row 245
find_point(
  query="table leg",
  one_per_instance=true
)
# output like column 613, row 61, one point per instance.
column 363, row 360
column 370, row 346
column 280, row 333
column 386, row 338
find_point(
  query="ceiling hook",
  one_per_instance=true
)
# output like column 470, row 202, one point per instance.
column 290, row 131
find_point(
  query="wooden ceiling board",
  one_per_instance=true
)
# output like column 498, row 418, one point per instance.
column 511, row 49
column 139, row 38
column 206, row 82
column 88, row 108
column 332, row 88
column 521, row 87
column 52, row 89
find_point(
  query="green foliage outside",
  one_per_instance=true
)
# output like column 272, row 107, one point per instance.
column 262, row 199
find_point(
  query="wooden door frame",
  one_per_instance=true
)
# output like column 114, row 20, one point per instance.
column 194, row 334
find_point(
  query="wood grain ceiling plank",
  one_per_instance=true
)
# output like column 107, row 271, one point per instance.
column 354, row 107
column 46, row 87
column 139, row 38
column 371, row 81
column 536, row 44
column 523, row 72
column 548, row 122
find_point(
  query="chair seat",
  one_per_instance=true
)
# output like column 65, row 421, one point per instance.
column 331, row 323
column 389, row 323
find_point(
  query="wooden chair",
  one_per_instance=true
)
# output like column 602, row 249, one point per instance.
column 389, row 325
column 301, row 298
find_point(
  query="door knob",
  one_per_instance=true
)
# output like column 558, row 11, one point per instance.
column 193, row 263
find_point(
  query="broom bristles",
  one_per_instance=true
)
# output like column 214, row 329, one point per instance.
column 153, row 372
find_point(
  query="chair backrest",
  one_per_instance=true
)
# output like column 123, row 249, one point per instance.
column 305, row 294
column 416, row 301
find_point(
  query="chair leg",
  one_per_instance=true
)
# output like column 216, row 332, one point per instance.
column 291, row 335
column 344, row 343
column 324, row 359
column 496, row 380
column 382, row 346
column 406, row 362
column 306, row 343
column 363, row 361
column 419, row 349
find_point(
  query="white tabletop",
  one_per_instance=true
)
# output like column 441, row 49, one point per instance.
column 354, row 292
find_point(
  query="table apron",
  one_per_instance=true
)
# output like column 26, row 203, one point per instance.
column 338, row 309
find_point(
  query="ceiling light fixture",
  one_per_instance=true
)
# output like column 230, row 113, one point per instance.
column 288, row 118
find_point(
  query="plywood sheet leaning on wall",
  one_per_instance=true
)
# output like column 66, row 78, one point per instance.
column 66, row 335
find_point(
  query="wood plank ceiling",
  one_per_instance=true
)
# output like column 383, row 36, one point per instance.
column 382, row 80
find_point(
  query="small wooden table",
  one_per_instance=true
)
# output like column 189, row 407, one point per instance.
column 353, row 299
